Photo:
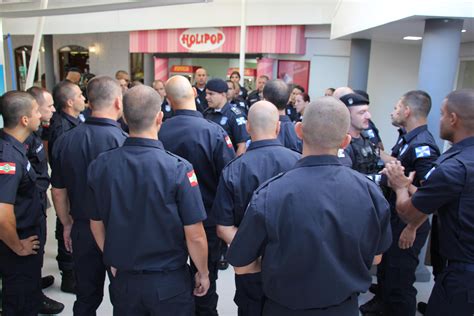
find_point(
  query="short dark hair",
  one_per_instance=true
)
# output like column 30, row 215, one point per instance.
column 14, row 105
column 277, row 92
column 102, row 91
column 233, row 83
column 37, row 93
column 461, row 102
column 305, row 97
column 63, row 92
column 297, row 86
column 418, row 101
column 141, row 104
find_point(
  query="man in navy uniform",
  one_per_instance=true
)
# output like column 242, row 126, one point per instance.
column 257, row 94
column 265, row 158
column 72, row 155
column 449, row 189
column 208, row 147
column 146, row 241
column 416, row 152
column 278, row 92
column 317, row 247
column 200, row 80
column 230, row 118
column 36, row 153
column 22, row 224
column 159, row 87
column 69, row 102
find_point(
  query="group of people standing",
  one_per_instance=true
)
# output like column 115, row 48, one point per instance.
column 307, row 205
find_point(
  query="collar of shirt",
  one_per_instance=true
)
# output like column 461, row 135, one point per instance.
column 74, row 120
column 264, row 143
column 188, row 113
column 320, row 160
column 143, row 142
column 410, row 135
column 13, row 141
column 466, row 142
column 284, row 118
column 102, row 121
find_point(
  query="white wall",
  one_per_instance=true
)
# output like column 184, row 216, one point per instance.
column 393, row 70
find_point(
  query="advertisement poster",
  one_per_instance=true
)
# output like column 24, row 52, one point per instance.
column 294, row 71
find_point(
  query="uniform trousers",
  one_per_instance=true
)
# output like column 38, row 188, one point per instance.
column 249, row 295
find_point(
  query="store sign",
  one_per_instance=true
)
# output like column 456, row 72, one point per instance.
column 202, row 40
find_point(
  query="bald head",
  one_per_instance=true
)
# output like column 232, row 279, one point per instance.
column 461, row 102
column 342, row 91
column 263, row 121
column 141, row 105
column 326, row 122
column 180, row 93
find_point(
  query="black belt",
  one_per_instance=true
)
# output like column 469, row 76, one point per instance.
column 180, row 269
column 461, row 265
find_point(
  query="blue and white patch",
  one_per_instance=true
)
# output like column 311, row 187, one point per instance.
column 370, row 133
column 241, row 120
column 422, row 151
column 223, row 120
column 167, row 108
column 428, row 174
column 40, row 147
column 402, row 151
column 82, row 117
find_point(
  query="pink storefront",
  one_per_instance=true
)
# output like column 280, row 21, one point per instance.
column 186, row 45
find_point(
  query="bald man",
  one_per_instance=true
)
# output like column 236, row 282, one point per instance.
column 200, row 79
column 265, row 158
column 317, row 247
column 207, row 146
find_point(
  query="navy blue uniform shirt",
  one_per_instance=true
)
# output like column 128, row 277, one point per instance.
column 60, row 124
column 449, row 189
column 262, row 160
column 18, row 184
column 287, row 135
column 232, row 120
column 36, row 154
column 253, row 97
column 318, row 228
column 75, row 151
column 144, row 195
column 205, row 145
column 291, row 113
column 166, row 109
column 417, row 152
column 201, row 102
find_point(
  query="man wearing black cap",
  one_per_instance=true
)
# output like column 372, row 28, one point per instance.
column 361, row 154
column 230, row 118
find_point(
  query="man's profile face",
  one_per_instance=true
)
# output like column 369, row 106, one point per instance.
column 47, row 108
column 78, row 100
column 35, row 119
column 360, row 117
column 215, row 99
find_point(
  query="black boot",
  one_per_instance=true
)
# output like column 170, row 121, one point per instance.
column 50, row 306
column 422, row 307
column 47, row 281
column 373, row 307
column 68, row 281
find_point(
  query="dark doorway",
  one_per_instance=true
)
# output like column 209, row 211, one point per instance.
column 73, row 56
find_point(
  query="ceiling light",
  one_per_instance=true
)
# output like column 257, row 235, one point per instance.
column 412, row 38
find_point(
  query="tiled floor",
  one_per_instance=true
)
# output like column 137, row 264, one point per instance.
column 225, row 285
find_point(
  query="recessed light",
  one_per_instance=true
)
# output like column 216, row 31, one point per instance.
column 412, row 38
column 463, row 31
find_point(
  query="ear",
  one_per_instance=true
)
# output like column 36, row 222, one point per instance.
column 24, row 120
column 346, row 141
column 453, row 119
column 278, row 128
column 247, row 127
column 118, row 103
column 159, row 118
column 299, row 130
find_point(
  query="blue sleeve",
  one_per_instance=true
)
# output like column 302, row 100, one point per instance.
column 56, row 176
column 383, row 211
column 91, row 197
column 238, row 127
column 444, row 185
column 251, row 237
column 10, row 180
column 224, row 150
column 189, row 200
column 423, row 163
column 223, row 207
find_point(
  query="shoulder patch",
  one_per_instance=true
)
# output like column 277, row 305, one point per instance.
column 422, row 151
column 192, row 178
column 241, row 120
column 236, row 110
column 7, row 168
column 228, row 141
column 223, row 120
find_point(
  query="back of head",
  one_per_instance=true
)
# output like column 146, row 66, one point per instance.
column 342, row 91
column 326, row 122
column 141, row 104
column 277, row 92
column 418, row 101
column 461, row 102
column 14, row 105
column 62, row 92
column 102, row 92
column 38, row 94
column 179, row 92
column 263, row 119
